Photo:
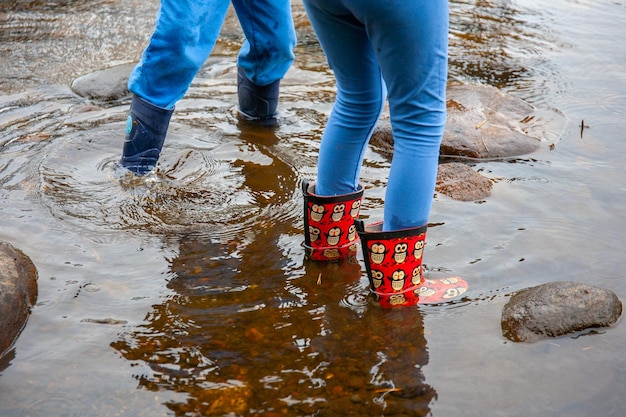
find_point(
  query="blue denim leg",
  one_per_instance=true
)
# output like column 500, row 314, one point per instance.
column 359, row 101
column 267, row 53
column 406, row 42
column 186, row 32
column 184, row 36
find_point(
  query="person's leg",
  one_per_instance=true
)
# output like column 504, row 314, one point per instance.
column 360, row 96
column 184, row 36
column 267, row 53
column 265, row 56
column 146, row 128
column 411, row 41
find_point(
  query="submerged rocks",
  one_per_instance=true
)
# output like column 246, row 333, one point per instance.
column 460, row 182
column 18, row 293
column 556, row 309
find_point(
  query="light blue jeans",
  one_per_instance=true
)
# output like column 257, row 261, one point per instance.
column 186, row 32
column 377, row 48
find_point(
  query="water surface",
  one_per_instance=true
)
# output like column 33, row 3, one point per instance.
column 186, row 293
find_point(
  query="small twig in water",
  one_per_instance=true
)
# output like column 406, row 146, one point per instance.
column 582, row 128
column 388, row 390
column 478, row 126
column 483, row 140
column 319, row 279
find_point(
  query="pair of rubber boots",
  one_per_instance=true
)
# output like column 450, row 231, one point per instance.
column 393, row 259
column 147, row 124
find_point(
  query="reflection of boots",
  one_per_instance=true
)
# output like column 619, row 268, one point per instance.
column 146, row 127
column 329, row 232
column 257, row 103
column 393, row 261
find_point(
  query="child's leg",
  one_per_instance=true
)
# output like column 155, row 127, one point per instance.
column 267, row 53
column 185, row 34
column 413, row 59
column 359, row 102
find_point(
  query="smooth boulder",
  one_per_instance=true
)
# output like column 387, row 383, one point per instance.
column 486, row 123
column 18, row 293
column 108, row 84
column 556, row 309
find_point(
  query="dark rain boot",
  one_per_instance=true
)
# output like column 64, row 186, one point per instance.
column 146, row 128
column 257, row 103
column 393, row 261
column 329, row 232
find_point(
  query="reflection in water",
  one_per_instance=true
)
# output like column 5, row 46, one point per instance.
column 493, row 42
column 249, row 327
column 238, row 338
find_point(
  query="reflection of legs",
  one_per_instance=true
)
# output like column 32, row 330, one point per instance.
column 402, row 356
column 265, row 56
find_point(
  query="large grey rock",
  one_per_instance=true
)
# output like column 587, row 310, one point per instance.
column 18, row 293
column 454, row 179
column 486, row 123
column 108, row 84
column 556, row 309
column 483, row 123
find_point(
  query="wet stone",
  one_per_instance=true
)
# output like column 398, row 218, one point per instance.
column 18, row 293
column 486, row 123
column 556, row 309
column 109, row 84
column 483, row 123
column 454, row 179
column 460, row 182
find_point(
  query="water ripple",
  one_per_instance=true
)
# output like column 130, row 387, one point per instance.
column 223, row 183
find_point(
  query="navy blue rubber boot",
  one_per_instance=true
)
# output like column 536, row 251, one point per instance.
column 146, row 128
column 257, row 103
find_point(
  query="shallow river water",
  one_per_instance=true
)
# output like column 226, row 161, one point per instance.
column 186, row 293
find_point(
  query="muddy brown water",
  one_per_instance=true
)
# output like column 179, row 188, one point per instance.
column 187, row 294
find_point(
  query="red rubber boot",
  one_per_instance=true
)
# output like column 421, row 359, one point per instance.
column 394, row 266
column 329, row 232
